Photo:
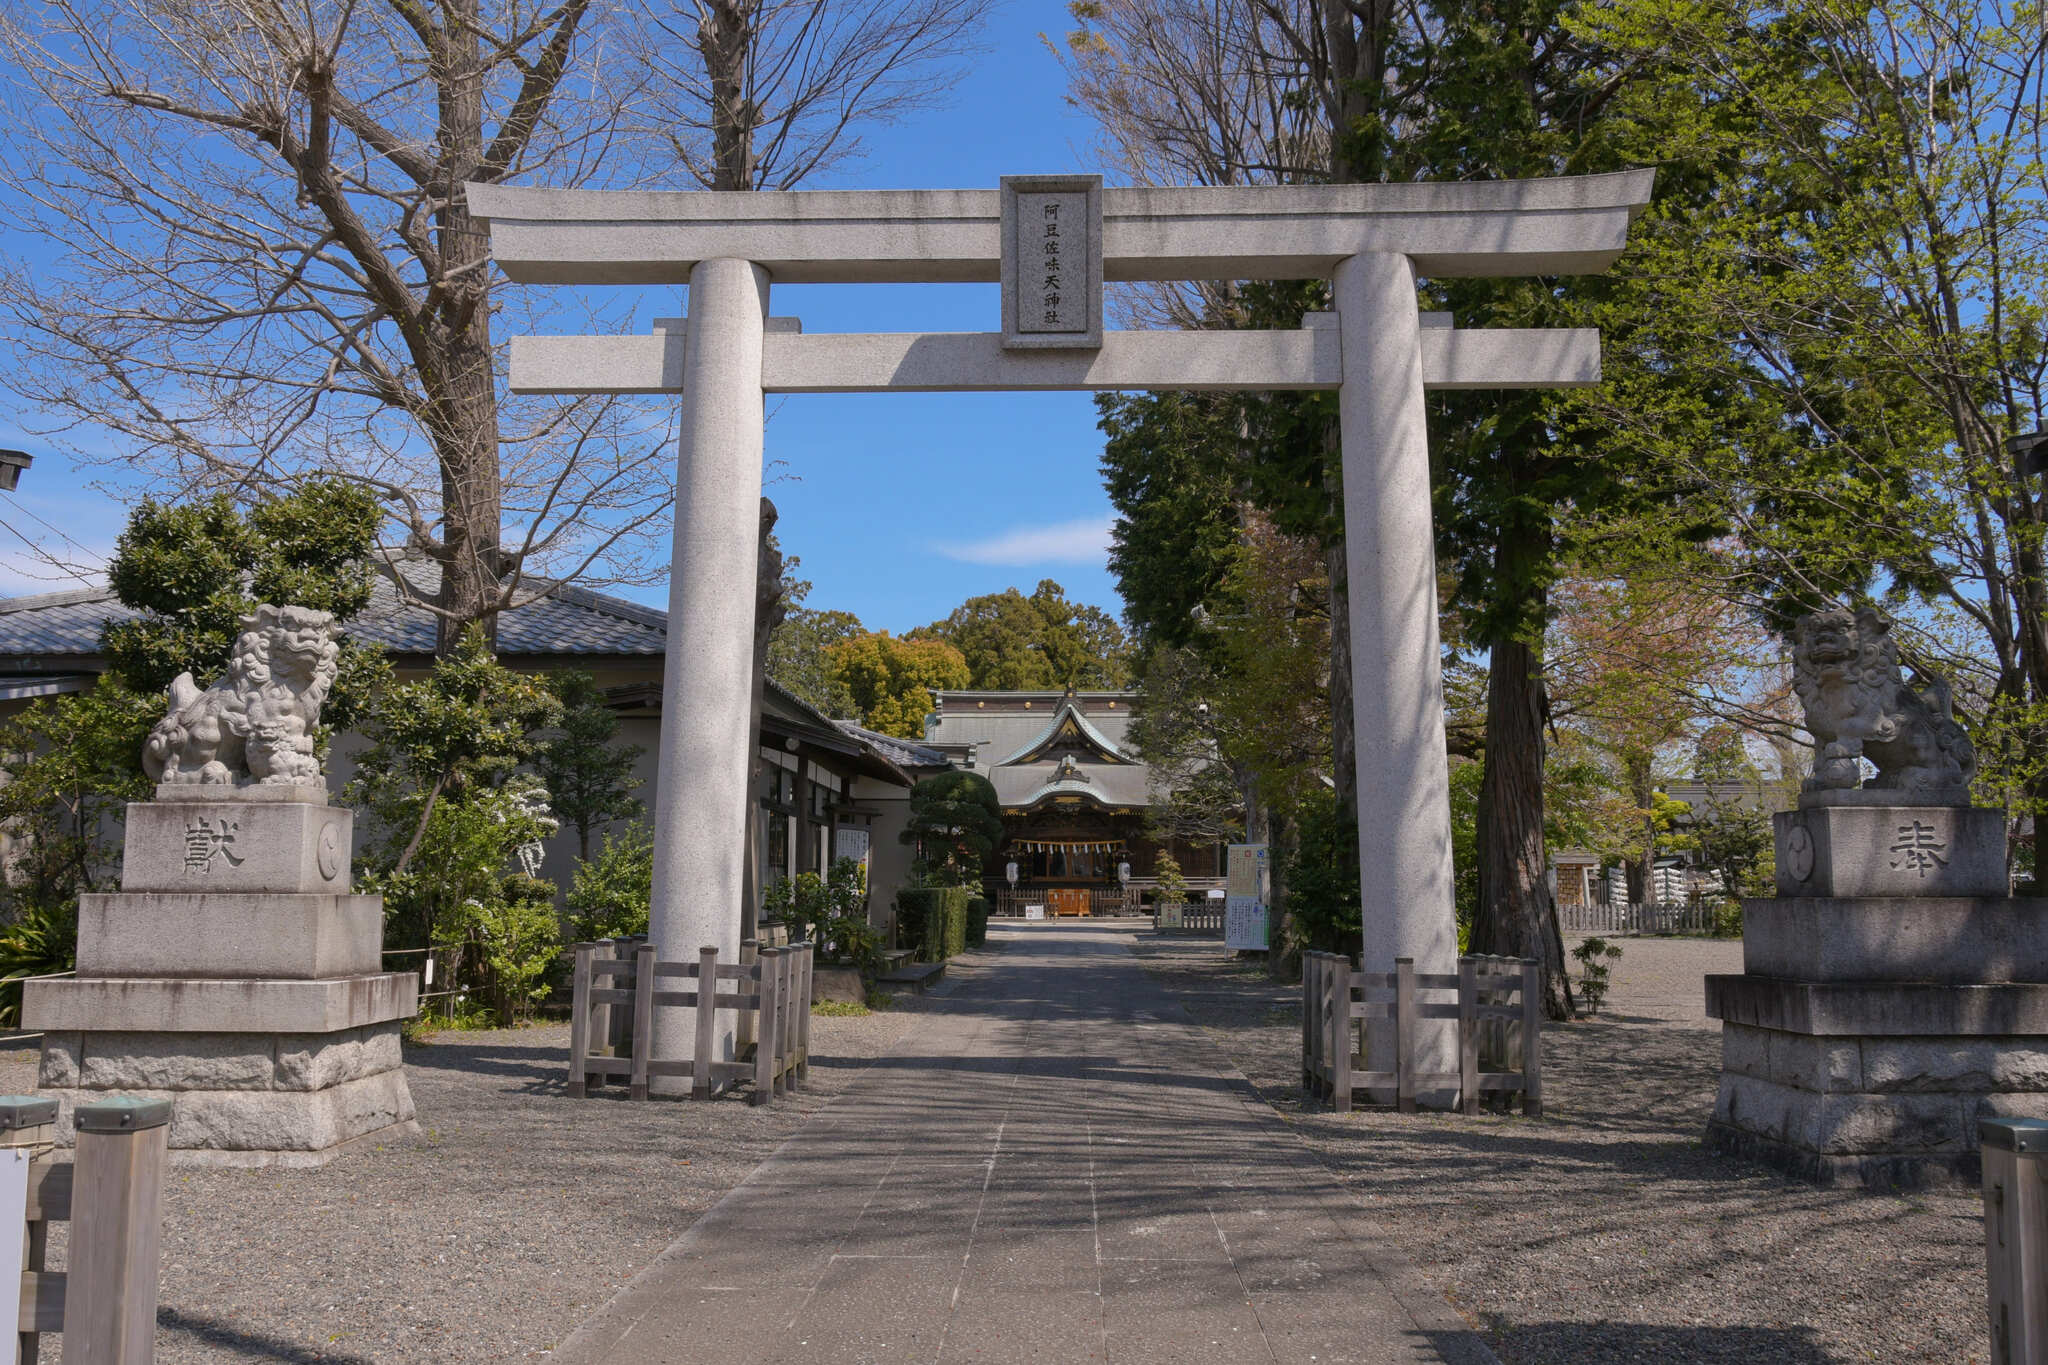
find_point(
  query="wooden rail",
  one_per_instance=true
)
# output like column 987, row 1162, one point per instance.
column 1203, row 916
column 618, row 985
column 1495, row 1000
column 1634, row 917
column 111, row 1192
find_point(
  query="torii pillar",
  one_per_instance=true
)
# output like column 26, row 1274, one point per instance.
column 1052, row 241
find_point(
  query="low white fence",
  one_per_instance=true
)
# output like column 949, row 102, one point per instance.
column 1633, row 917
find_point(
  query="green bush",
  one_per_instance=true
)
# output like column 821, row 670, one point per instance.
column 1322, row 878
column 977, row 921
column 830, row 911
column 611, row 893
column 933, row 920
column 1595, row 955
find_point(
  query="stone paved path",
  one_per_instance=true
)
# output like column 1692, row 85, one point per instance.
column 1054, row 1166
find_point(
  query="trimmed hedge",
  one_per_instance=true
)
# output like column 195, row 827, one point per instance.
column 977, row 922
column 933, row 920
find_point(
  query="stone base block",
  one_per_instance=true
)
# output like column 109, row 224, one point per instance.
column 1881, row 1111
column 838, row 983
column 230, row 934
column 1871, row 850
column 1909, row 1009
column 243, row 1099
column 158, row 1005
column 1941, row 940
column 236, row 845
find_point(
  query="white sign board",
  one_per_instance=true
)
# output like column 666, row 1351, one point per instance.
column 1034, row 912
column 1244, row 909
column 1244, row 924
column 13, row 1215
column 852, row 842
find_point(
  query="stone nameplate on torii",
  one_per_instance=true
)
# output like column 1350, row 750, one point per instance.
column 1052, row 262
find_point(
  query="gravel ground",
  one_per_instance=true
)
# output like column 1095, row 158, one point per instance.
column 512, row 1217
column 1604, row 1232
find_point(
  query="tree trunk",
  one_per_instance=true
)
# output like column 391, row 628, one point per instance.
column 1640, row 871
column 1283, row 952
column 461, row 413
column 726, row 37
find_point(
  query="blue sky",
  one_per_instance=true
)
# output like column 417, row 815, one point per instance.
column 899, row 506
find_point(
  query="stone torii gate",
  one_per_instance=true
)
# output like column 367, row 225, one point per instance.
column 1052, row 241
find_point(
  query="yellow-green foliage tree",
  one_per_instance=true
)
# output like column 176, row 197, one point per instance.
column 891, row 681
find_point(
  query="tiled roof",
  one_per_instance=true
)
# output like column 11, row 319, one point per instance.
column 903, row 753
column 566, row 621
column 1029, row 784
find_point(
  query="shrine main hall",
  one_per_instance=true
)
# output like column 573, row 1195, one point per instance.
column 1075, row 798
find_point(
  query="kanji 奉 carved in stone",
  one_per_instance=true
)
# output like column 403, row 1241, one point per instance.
column 258, row 722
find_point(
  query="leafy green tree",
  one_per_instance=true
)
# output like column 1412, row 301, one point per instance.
column 455, row 738
column 891, row 681
column 800, row 657
column 71, row 765
column 589, row 775
column 955, row 823
column 194, row 569
column 1014, row 643
column 1880, row 265
column 1168, row 463
column 612, row 895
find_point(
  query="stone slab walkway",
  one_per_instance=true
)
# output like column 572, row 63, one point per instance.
column 1055, row 1165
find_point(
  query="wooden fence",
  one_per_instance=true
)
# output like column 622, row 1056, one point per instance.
column 771, row 987
column 111, row 1192
column 1495, row 1001
column 1633, row 917
column 1098, row 900
column 1203, row 916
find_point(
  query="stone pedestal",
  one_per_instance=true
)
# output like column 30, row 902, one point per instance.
column 234, row 975
column 1892, row 995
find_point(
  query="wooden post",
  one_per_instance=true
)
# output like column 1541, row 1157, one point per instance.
column 746, row 1027
column 2015, row 1155
column 29, row 1124
column 765, row 1043
column 110, row 1282
column 1338, row 1032
column 1311, row 1017
column 600, row 1033
column 1532, row 1041
column 803, row 1013
column 785, row 1019
column 1468, row 1035
column 643, row 1018
column 707, row 1022
column 579, row 1018
column 1404, row 1034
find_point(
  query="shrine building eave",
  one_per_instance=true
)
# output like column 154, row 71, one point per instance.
column 1566, row 225
column 1069, row 720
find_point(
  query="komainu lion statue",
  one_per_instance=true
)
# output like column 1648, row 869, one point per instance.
column 258, row 720
column 1845, row 668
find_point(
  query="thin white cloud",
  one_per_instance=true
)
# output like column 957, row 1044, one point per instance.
column 1065, row 542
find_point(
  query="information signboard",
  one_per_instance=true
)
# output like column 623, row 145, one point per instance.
column 1244, row 907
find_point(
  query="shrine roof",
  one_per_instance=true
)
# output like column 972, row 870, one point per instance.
column 566, row 620
column 1026, row 785
column 904, row 753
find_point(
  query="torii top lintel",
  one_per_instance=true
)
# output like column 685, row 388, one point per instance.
column 1562, row 226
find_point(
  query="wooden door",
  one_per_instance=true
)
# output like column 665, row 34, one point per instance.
column 1067, row 900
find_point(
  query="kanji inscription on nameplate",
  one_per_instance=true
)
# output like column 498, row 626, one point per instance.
column 1052, row 261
